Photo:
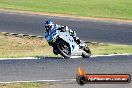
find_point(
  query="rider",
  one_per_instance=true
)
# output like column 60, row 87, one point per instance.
column 49, row 25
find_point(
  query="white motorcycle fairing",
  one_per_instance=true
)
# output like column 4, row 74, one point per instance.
column 75, row 48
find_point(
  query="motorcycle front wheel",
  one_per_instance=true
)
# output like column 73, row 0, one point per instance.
column 64, row 48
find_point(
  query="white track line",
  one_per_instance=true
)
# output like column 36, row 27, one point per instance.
column 124, row 54
column 32, row 81
column 30, row 58
column 38, row 81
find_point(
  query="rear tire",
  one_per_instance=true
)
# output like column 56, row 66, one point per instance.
column 60, row 45
column 86, row 52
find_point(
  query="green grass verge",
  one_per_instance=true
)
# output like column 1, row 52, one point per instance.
column 94, row 8
column 105, row 49
column 24, row 85
column 24, row 47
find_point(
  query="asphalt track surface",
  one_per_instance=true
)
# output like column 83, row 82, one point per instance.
column 88, row 30
column 52, row 68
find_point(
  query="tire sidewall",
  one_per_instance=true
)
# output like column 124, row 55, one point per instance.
column 61, row 52
column 86, row 54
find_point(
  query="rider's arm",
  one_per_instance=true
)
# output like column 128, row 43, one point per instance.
column 72, row 32
column 46, row 34
column 63, row 29
column 59, row 27
column 66, row 29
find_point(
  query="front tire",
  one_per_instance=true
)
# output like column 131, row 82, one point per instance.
column 64, row 48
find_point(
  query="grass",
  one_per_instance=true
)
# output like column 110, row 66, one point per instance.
column 24, row 85
column 105, row 49
column 11, row 47
column 121, row 9
column 21, row 47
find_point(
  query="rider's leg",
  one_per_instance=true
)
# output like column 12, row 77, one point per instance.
column 73, row 34
column 55, row 51
column 77, row 40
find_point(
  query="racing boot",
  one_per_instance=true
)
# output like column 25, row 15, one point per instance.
column 77, row 40
column 55, row 51
column 80, row 43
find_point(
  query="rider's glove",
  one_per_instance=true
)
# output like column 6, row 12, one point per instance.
column 72, row 33
column 62, row 29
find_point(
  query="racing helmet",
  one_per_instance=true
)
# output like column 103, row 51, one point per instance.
column 48, row 24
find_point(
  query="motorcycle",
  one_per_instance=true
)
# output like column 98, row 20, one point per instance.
column 65, row 45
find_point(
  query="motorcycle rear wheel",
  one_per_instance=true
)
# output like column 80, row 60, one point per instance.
column 86, row 53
